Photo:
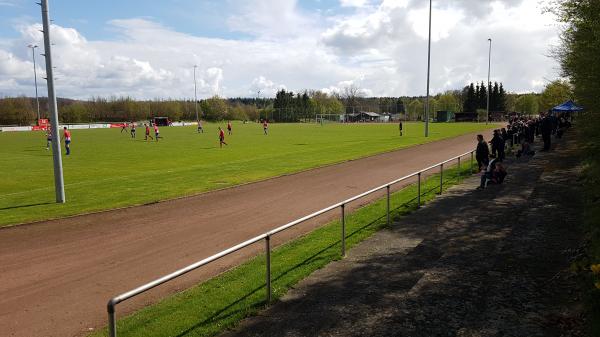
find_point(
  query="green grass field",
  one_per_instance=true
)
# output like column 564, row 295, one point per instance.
column 108, row 169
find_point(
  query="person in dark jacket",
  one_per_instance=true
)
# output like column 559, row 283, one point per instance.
column 498, row 145
column 546, row 129
column 482, row 153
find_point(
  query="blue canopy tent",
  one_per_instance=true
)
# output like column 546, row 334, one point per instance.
column 568, row 106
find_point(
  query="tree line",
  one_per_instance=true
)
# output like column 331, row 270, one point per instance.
column 286, row 106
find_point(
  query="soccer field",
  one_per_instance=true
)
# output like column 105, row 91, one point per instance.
column 107, row 169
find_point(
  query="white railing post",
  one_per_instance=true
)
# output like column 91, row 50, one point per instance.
column 388, row 204
column 268, row 262
column 471, row 168
column 343, row 230
column 441, row 177
column 112, row 319
column 419, row 191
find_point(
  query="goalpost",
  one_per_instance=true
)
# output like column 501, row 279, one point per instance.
column 328, row 118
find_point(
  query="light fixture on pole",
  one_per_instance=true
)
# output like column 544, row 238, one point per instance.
column 58, row 170
column 37, row 100
column 487, row 118
column 428, row 72
column 196, row 94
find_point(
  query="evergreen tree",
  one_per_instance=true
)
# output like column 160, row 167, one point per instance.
column 482, row 97
column 501, row 98
column 494, row 101
column 470, row 101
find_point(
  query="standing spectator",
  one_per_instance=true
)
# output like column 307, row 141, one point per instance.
column 546, row 129
column 498, row 145
column 482, row 153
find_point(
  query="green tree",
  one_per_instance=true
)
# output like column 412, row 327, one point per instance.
column 447, row 102
column 214, row 108
column 415, row 109
column 555, row 93
column 527, row 104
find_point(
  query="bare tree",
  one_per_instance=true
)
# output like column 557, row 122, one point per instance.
column 351, row 96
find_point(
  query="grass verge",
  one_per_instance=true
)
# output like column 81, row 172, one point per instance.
column 220, row 303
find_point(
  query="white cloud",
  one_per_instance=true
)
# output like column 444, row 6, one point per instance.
column 381, row 48
column 354, row 3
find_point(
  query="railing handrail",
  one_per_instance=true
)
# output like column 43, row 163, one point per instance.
column 141, row 289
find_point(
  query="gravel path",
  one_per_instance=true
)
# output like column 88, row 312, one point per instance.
column 470, row 263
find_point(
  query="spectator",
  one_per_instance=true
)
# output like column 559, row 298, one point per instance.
column 482, row 153
column 494, row 174
column 546, row 129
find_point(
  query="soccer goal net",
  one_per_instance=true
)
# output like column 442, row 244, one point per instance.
column 328, row 118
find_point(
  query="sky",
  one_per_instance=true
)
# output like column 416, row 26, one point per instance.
column 149, row 49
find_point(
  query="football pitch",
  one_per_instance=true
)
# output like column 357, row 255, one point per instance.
column 108, row 169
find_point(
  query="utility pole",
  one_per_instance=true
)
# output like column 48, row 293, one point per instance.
column 196, row 94
column 58, row 169
column 37, row 100
column 487, row 119
column 428, row 72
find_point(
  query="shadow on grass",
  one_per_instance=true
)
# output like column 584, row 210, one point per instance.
column 25, row 206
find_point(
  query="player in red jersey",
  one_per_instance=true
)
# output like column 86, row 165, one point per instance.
column 67, row 136
column 229, row 127
column 265, row 126
column 221, row 137
column 156, row 132
column 48, row 137
column 147, row 132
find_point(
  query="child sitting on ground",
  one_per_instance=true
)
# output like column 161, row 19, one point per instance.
column 494, row 174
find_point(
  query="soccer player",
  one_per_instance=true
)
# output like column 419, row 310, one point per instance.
column 147, row 132
column 124, row 127
column 133, row 126
column 221, row 137
column 48, row 137
column 67, row 136
column 200, row 129
column 265, row 126
column 156, row 132
column 400, row 127
column 229, row 127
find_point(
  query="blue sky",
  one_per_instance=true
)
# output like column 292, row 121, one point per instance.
column 147, row 49
column 206, row 18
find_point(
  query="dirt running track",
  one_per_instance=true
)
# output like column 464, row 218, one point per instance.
column 56, row 276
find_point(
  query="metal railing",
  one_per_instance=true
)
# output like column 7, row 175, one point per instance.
column 112, row 303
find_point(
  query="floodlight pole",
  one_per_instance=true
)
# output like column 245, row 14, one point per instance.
column 58, row 169
column 196, row 94
column 258, row 103
column 37, row 100
column 487, row 119
column 428, row 72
